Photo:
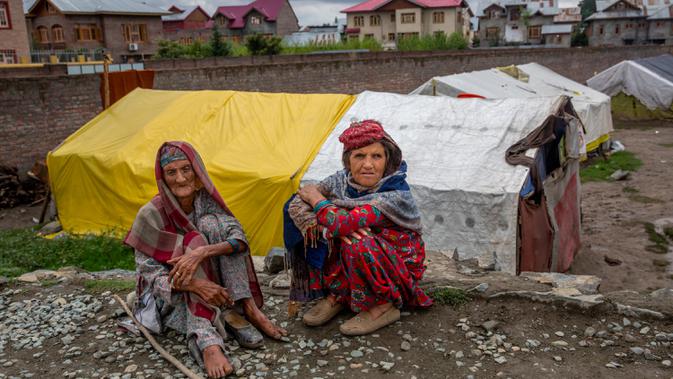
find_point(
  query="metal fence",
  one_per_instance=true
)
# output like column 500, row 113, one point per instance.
column 67, row 55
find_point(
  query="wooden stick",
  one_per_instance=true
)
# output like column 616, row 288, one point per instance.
column 106, row 81
column 47, row 200
column 167, row 356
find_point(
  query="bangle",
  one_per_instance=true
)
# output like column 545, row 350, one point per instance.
column 321, row 204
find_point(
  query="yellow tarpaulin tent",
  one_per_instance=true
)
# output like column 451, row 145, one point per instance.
column 256, row 147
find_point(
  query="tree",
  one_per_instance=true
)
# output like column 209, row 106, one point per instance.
column 258, row 44
column 587, row 8
column 218, row 48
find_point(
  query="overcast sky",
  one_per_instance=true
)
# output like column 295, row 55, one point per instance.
column 309, row 12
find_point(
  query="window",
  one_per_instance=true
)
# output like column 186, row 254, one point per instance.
column 221, row 20
column 617, row 29
column 620, row 7
column 492, row 33
column 134, row 33
column 359, row 21
column 514, row 14
column 408, row 18
column 42, row 34
column 391, row 36
column 7, row 56
column 57, row 33
column 515, row 27
column 551, row 3
column 374, row 20
column 493, row 13
column 658, row 25
column 5, row 20
column 600, row 29
column 87, row 32
column 534, row 32
column 460, row 17
column 369, row 36
column 50, row 8
column 255, row 20
column 437, row 17
column 392, row 17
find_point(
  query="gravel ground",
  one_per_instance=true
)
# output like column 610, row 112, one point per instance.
column 72, row 333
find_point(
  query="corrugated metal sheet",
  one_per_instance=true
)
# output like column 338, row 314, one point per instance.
column 102, row 7
column 557, row 29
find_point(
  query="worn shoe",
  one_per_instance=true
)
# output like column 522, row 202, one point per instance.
column 322, row 312
column 232, row 323
column 363, row 323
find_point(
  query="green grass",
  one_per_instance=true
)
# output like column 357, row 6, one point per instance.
column 630, row 190
column 450, row 296
column 602, row 169
column 659, row 241
column 22, row 251
column 114, row 285
column 666, row 144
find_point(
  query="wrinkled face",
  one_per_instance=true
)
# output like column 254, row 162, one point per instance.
column 180, row 178
column 367, row 164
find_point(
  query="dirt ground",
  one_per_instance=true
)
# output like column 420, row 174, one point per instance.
column 613, row 217
column 444, row 342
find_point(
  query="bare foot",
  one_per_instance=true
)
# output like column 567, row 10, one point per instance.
column 260, row 321
column 380, row 309
column 217, row 365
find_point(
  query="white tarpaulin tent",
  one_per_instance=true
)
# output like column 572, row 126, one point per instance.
column 592, row 106
column 650, row 80
column 467, row 192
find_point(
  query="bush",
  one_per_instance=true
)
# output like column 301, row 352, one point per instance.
column 457, row 41
column 263, row 45
column 352, row 44
column 437, row 41
column 170, row 49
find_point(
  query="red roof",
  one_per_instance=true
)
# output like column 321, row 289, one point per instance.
column 237, row 13
column 372, row 5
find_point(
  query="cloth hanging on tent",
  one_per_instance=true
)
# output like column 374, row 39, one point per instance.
column 121, row 83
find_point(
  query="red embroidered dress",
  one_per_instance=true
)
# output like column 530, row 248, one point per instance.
column 374, row 270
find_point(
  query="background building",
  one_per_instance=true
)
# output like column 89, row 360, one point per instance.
column 13, row 34
column 187, row 24
column 128, row 30
column 266, row 17
column 624, row 22
column 387, row 21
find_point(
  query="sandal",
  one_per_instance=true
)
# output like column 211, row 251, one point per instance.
column 321, row 313
column 241, row 329
column 363, row 323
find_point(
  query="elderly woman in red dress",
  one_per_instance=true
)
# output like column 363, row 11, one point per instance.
column 193, row 263
column 354, row 239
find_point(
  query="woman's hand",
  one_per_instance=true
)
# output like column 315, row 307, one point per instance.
column 358, row 234
column 184, row 266
column 210, row 292
column 310, row 194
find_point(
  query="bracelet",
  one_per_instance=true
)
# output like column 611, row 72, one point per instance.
column 235, row 246
column 321, row 204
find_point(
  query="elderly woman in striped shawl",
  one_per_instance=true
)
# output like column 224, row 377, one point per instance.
column 193, row 263
column 355, row 238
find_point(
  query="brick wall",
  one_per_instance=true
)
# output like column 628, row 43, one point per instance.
column 37, row 113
